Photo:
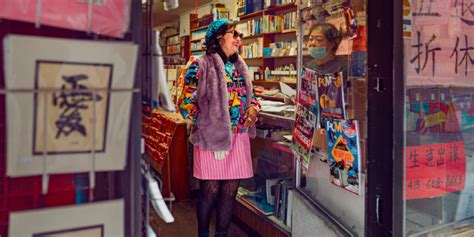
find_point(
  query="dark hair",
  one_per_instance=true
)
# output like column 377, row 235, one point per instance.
column 213, row 46
column 330, row 33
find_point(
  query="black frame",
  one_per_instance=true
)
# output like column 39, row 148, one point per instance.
column 378, row 202
column 384, row 200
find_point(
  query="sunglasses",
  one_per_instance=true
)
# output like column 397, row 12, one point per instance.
column 236, row 34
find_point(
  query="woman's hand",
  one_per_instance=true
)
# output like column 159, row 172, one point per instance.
column 250, row 117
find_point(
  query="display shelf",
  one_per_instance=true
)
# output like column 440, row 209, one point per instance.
column 256, row 58
column 269, row 97
column 252, row 36
column 279, row 228
column 171, row 44
column 199, row 28
column 196, row 40
column 283, row 7
column 277, row 57
column 252, row 15
column 271, row 83
column 198, row 50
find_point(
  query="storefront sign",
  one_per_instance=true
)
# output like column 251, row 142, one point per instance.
column 434, row 170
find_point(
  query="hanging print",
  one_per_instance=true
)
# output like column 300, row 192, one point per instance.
column 344, row 153
column 331, row 95
column 306, row 117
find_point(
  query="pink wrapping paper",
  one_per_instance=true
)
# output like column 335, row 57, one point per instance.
column 109, row 17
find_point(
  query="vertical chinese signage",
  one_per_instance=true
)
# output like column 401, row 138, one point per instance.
column 434, row 170
column 70, row 115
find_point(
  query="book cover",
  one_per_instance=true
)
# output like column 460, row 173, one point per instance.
column 306, row 117
column 344, row 154
column 331, row 95
column 259, row 202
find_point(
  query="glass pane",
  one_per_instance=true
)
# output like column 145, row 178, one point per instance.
column 439, row 118
column 332, row 108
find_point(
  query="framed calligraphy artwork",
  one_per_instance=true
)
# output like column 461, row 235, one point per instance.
column 98, row 219
column 70, row 111
column 68, row 104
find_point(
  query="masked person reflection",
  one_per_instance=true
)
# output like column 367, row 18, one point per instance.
column 324, row 40
column 218, row 100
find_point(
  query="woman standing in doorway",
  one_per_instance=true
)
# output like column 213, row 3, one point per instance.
column 218, row 100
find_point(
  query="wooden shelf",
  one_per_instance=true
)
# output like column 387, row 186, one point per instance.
column 199, row 28
column 252, row 36
column 269, row 97
column 197, row 50
column 282, row 7
column 167, row 36
column 257, row 58
column 252, row 15
column 271, row 83
column 173, row 53
column 196, row 40
column 277, row 57
column 171, row 44
column 267, row 225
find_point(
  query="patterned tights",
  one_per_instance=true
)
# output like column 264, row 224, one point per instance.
column 216, row 192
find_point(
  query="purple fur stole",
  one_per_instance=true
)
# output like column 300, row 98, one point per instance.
column 213, row 122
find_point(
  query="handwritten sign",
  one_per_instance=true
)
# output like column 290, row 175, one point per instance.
column 434, row 170
column 441, row 44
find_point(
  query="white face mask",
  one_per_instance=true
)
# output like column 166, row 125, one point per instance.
column 318, row 52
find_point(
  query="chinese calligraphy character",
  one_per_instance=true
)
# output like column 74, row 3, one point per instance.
column 463, row 7
column 71, row 104
column 453, row 154
column 427, row 51
column 466, row 59
column 420, row 11
column 429, row 157
column 414, row 159
column 440, row 160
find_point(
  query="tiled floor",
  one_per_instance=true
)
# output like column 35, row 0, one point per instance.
column 185, row 224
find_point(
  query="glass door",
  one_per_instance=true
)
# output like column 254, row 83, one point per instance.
column 438, row 164
column 329, row 137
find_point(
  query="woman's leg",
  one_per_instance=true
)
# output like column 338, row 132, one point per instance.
column 225, row 206
column 208, row 193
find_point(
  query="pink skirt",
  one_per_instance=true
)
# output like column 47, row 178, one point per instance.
column 236, row 165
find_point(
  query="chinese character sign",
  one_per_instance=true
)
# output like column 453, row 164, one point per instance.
column 441, row 49
column 70, row 111
column 434, row 170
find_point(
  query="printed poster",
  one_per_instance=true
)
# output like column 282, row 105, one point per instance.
column 435, row 169
column 306, row 117
column 344, row 154
column 331, row 95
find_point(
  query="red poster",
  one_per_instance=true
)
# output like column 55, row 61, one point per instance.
column 434, row 170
